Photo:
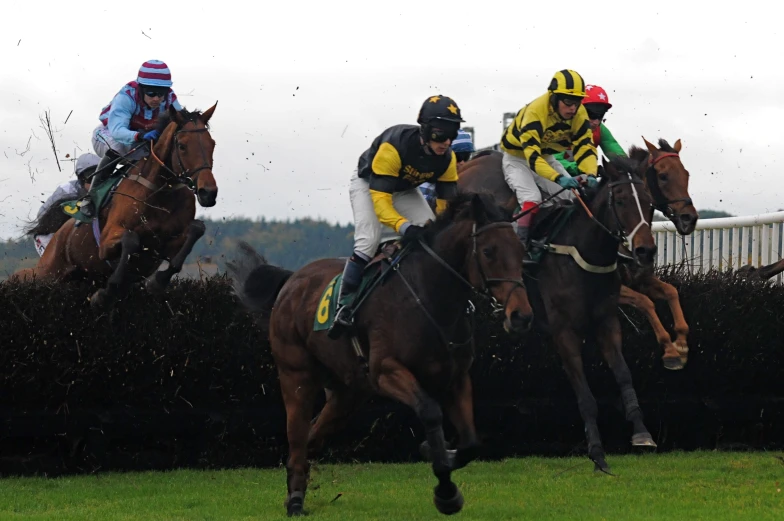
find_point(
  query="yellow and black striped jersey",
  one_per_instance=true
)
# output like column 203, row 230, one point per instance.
column 395, row 162
column 539, row 130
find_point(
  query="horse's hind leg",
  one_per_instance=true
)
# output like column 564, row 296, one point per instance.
column 395, row 381
column 299, row 391
column 341, row 403
column 660, row 290
column 671, row 358
column 608, row 336
column 158, row 281
column 118, row 282
column 569, row 348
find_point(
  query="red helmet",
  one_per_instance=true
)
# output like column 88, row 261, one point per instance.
column 596, row 94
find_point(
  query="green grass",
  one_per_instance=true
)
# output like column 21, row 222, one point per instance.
column 691, row 486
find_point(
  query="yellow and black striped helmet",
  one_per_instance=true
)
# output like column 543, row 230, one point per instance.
column 568, row 82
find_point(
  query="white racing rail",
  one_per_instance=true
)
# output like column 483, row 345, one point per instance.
column 724, row 243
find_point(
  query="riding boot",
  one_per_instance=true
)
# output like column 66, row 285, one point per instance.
column 524, row 230
column 352, row 278
column 102, row 172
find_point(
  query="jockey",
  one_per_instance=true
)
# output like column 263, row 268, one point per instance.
column 384, row 192
column 129, row 119
column 85, row 166
column 596, row 104
column 463, row 147
column 547, row 125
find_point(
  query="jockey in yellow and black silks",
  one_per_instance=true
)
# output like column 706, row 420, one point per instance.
column 384, row 188
column 551, row 123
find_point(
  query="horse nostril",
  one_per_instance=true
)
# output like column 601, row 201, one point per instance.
column 646, row 253
column 686, row 218
column 521, row 322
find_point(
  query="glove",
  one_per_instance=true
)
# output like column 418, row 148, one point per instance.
column 152, row 135
column 590, row 180
column 411, row 233
column 567, row 182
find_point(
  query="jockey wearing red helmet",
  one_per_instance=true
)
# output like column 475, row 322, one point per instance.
column 596, row 104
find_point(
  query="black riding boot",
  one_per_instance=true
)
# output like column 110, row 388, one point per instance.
column 102, row 172
column 352, row 278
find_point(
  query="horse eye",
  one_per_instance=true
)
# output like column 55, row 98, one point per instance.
column 488, row 252
column 663, row 176
column 181, row 147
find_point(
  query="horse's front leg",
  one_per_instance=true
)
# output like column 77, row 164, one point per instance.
column 397, row 382
column 158, row 281
column 130, row 244
column 671, row 358
column 660, row 290
column 460, row 409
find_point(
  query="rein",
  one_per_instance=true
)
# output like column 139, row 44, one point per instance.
column 486, row 283
column 185, row 177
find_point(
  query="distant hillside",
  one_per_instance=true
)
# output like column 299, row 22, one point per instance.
column 290, row 244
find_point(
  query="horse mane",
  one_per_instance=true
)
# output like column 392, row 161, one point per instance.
column 53, row 218
column 459, row 208
column 641, row 154
column 165, row 118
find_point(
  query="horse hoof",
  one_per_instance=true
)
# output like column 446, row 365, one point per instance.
column 643, row 439
column 153, row 286
column 673, row 364
column 449, row 506
column 294, row 507
column 98, row 299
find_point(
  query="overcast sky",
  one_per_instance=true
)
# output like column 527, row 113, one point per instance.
column 304, row 87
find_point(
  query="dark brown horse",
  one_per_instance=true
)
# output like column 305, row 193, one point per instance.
column 411, row 330
column 575, row 287
column 150, row 217
column 667, row 181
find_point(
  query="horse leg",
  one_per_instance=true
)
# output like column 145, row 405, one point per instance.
column 569, row 348
column 671, row 357
column 660, row 290
column 609, row 338
column 341, row 403
column 158, row 281
column 460, row 409
column 397, row 382
column 117, row 284
column 299, row 392
column 771, row 270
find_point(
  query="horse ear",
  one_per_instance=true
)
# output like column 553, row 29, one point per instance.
column 677, row 146
column 651, row 147
column 175, row 116
column 208, row 113
column 478, row 209
column 609, row 169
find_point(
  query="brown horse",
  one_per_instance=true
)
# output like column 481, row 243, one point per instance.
column 410, row 328
column 149, row 218
column 575, row 287
column 667, row 181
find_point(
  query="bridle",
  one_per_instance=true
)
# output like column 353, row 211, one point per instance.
column 660, row 201
column 487, row 282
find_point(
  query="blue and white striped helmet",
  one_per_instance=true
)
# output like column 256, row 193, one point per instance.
column 462, row 142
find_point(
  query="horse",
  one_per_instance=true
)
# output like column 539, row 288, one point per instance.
column 150, row 217
column 407, row 330
column 667, row 181
column 574, row 289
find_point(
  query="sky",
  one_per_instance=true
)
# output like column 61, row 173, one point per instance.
column 304, row 87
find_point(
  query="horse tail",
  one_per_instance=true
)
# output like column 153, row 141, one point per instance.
column 52, row 219
column 256, row 282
